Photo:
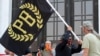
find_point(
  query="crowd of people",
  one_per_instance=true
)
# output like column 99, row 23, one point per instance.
column 90, row 44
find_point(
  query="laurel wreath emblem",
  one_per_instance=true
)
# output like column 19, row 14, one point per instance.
column 35, row 11
column 19, row 37
column 27, row 37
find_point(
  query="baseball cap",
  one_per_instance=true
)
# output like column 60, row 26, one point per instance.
column 66, row 35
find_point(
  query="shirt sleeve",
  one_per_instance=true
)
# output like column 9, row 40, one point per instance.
column 76, row 49
column 85, row 43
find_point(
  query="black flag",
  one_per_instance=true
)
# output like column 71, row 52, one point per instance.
column 29, row 19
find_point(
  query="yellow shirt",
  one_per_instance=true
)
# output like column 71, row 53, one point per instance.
column 93, row 43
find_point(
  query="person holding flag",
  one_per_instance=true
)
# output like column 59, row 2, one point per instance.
column 66, row 47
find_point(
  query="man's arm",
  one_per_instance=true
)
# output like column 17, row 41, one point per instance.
column 78, row 49
column 61, row 45
column 85, row 46
column 85, row 51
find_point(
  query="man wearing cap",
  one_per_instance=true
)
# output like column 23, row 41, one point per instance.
column 91, row 40
column 65, row 47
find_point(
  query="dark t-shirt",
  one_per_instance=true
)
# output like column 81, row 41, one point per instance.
column 63, row 50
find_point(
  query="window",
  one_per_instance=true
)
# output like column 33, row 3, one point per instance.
column 55, row 27
column 83, row 11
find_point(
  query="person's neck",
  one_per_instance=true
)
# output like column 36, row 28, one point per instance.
column 87, row 32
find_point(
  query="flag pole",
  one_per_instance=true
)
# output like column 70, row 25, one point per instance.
column 62, row 19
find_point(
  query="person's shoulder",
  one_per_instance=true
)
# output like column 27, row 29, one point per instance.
column 88, row 35
column 58, row 45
